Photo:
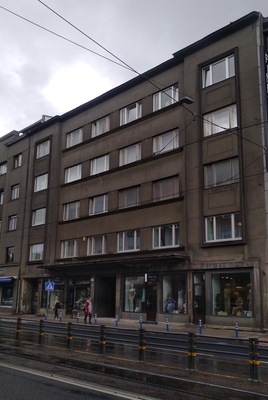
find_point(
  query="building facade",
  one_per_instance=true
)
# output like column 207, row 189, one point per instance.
column 151, row 197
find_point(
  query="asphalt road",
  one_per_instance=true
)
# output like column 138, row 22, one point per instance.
column 18, row 382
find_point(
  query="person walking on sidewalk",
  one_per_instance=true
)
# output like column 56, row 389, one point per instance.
column 88, row 310
column 56, row 307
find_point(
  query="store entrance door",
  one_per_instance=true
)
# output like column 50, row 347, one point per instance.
column 151, row 297
column 199, row 300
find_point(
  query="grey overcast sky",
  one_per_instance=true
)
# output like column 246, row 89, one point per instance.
column 42, row 73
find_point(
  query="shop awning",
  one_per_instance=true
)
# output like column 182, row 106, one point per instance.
column 7, row 279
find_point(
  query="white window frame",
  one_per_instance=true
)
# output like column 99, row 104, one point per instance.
column 98, row 204
column 10, row 253
column 40, row 182
column 167, row 141
column 39, row 216
column 126, row 195
column 99, row 165
column 222, row 172
column 160, row 191
column 101, row 126
column 208, row 76
column 43, row 149
column 130, row 113
column 130, row 154
column 36, row 252
column 212, row 231
column 15, row 192
column 71, row 210
column 123, row 241
column 3, row 168
column 220, row 120
column 69, row 248
column 73, row 138
column 73, row 173
column 17, row 160
column 96, row 245
column 12, row 222
column 1, row 197
column 158, row 237
column 166, row 97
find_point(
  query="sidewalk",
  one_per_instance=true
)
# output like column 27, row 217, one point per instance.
column 205, row 330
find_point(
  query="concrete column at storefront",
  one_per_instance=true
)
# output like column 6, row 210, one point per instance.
column 118, row 292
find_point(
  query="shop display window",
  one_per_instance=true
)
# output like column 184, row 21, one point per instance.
column 7, row 295
column 232, row 294
column 135, row 294
column 174, row 293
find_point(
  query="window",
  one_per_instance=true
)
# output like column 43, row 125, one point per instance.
column 15, row 192
column 43, row 149
column 218, row 71
column 166, row 188
column 99, row 164
column 3, row 168
column 1, row 197
column 220, row 120
column 12, row 223
column 73, row 173
column 175, row 287
column 130, row 154
column 101, row 126
column 71, row 210
column 74, row 138
column 222, row 172
column 128, row 241
column 166, row 142
column 130, row 113
column 10, row 254
column 223, row 227
column 40, row 182
column 135, row 294
column 98, row 204
column 7, row 295
column 17, row 160
column 68, row 248
column 129, row 197
column 232, row 294
column 166, row 236
column 39, row 216
column 166, row 97
column 96, row 245
column 36, row 252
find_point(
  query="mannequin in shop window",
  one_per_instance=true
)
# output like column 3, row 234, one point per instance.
column 131, row 297
column 170, row 303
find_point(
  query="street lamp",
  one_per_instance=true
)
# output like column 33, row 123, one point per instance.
column 185, row 100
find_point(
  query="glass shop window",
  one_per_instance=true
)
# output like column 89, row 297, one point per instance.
column 134, row 294
column 175, row 293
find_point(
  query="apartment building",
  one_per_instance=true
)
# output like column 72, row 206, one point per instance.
column 151, row 197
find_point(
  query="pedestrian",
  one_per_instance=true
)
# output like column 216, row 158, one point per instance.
column 56, row 307
column 88, row 310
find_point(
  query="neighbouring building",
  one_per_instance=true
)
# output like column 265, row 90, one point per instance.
column 153, row 191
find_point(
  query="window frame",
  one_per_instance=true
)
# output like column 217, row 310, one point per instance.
column 10, row 253
column 157, row 237
column 212, row 127
column 39, row 219
column 125, row 155
column 207, row 71
column 159, row 189
column 95, row 168
column 68, row 212
column 172, row 144
column 73, row 173
column 91, row 245
column 92, row 204
column 100, row 126
column 228, row 167
column 125, row 113
column 213, row 229
column 67, row 246
column 38, row 184
column 73, row 138
column 12, row 222
column 123, row 242
column 43, row 149
column 123, row 197
column 36, row 255
column 3, row 168
column 1, row 197
column 18, row 160
column 15, row 192
column 159, row 97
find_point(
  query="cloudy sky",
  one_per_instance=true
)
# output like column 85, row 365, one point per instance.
column 42, row 73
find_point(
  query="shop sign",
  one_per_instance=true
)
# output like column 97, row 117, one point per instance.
column 151, row 278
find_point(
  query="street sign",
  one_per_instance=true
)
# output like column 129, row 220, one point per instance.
column 49, row 286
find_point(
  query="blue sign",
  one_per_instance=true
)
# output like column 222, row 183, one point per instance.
column 49, row 285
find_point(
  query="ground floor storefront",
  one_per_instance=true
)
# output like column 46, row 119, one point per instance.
column 173, row 290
